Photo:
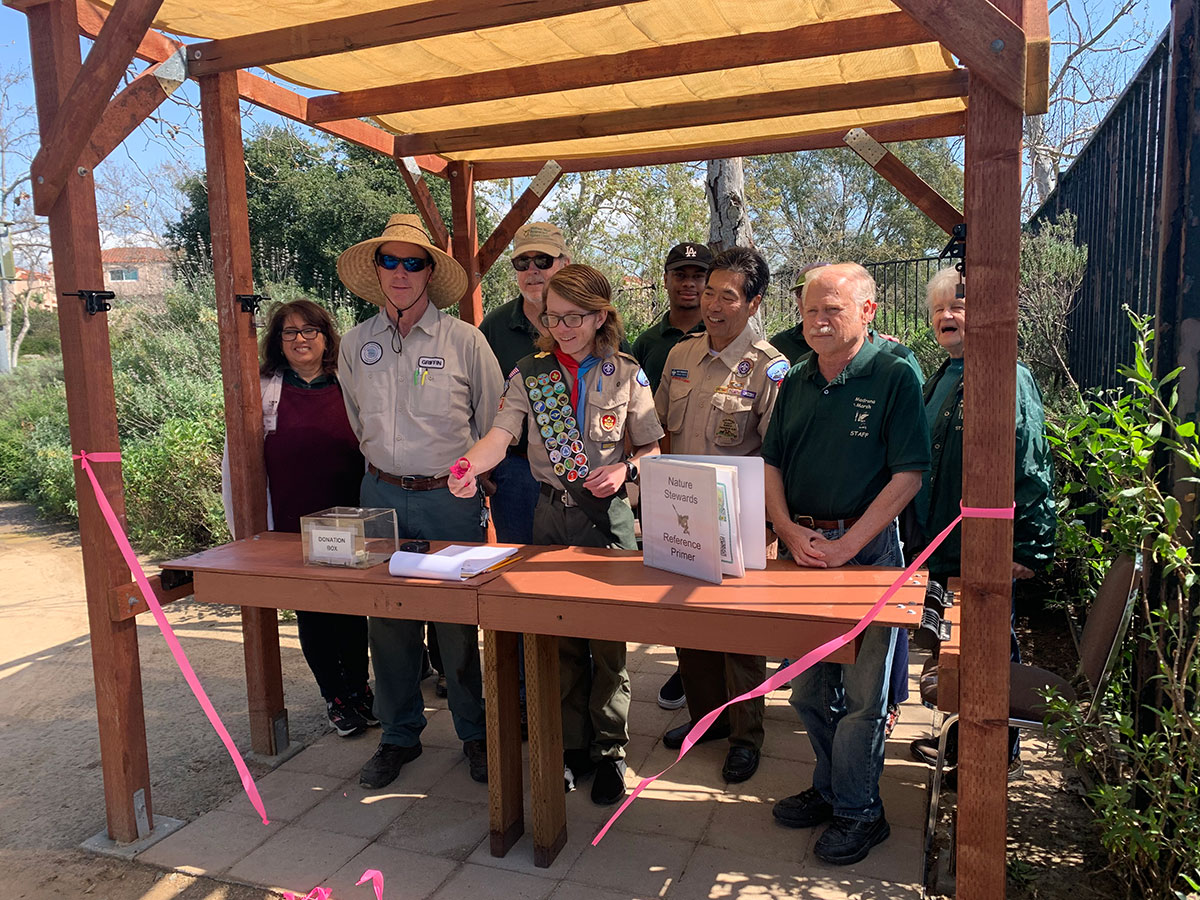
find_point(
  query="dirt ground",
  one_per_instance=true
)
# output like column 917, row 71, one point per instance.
column 51, row 795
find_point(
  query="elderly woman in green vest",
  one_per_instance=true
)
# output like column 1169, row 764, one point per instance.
column 580, row 398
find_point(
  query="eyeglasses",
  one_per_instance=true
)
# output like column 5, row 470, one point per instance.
column 410, row 263
column 543, row 261
column 309, row 333
column 571, row 320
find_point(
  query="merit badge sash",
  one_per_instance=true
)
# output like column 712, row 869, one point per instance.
column 560, row 432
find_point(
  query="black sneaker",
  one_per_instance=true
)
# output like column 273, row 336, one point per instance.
column 847, row 841
column 382, row 768
column 609, row 784
column 803, row 810
column 671, row 695
column 439, row 687
column 476, row 754
column 364, row 704
column 345, row 719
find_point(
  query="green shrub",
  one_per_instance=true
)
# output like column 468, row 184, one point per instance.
column 1144, row 757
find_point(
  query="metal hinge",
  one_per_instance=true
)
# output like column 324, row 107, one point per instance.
column 93, row 301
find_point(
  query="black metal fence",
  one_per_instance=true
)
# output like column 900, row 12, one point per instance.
column 1113, row 189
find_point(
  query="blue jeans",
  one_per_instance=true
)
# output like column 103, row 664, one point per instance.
column 843, row 706
column 397, row 645
column 516, row 496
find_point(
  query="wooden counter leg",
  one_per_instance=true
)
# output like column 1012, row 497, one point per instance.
column 502, row 703
column 544, row 710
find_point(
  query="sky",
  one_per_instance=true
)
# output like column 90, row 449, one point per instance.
column 176, row 142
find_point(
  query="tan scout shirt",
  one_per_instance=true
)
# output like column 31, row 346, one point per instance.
column 618, row 403
column 719, row 405
column 418, row 411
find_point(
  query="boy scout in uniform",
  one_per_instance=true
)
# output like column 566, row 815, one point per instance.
column 420, row 387
column 715, row 398
column 580, row 399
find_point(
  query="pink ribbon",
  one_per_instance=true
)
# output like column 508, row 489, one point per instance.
column 783, row 676
column 376, row 879
column 189, row 674
column 324, row 893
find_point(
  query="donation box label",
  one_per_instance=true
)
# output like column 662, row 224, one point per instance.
column 331, row 545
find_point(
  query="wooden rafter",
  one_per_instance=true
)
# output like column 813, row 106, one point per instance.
column 987, row 41
column 919, row 192
column 942, row 125
column 131, row 107
column 87, row 98
column 826, row 98
column 1036, row 23
column 525, row 206
column 735, row 51
column 411, row 173
column 401, row 24
column 156, row 48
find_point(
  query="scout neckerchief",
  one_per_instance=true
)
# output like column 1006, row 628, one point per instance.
column 578, row 372
column 555, row 420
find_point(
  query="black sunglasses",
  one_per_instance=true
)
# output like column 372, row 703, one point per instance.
column 410, row 263
column 543, row 261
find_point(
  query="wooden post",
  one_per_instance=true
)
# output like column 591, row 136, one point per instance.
column 230, row 229
column 993, row 216
column 92, row 414
column 506, row 816
column 466, row 238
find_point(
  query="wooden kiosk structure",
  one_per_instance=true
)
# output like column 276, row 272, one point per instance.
column 480, row 89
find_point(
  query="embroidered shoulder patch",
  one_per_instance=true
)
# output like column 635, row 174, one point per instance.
column 515, row 370
column 642, row 379
column 777, row 369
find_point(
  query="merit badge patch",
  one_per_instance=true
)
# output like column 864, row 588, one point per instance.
column 777, row 370
column 371, row 353
column 744, row 367
column 431, row 362
column 556, row 375
column 608, row 421
column 543, row 379
column 608, row 368
column 530, row 382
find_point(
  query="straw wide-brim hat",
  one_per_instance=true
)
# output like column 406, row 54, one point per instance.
column 356, row 266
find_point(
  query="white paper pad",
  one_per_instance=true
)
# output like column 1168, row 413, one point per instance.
column 451, row 563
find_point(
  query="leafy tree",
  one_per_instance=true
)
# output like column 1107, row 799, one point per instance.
column 308, row 199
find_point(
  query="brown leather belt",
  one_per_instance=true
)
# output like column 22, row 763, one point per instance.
column 825, row 524
column 409, row 482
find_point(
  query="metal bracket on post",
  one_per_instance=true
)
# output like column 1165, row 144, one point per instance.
column 93, row 301
column 251, row 302
column 956, row 248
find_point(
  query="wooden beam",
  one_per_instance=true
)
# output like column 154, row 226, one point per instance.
column 993, row 214
column 525, row 207
column 466, row 239
column 1036, row 21
column 985, row 40
column 905, row 180
column 799, row 101
column 155, row 47
column 385, row 27
column 87, row 97
column 411, row 173
column 126, row 601
column 731, row 52
column 941, row 125
column 230, row 230
column 92, row 416
column 131, row 107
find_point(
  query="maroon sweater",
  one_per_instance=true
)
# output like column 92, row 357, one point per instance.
column 312, row 457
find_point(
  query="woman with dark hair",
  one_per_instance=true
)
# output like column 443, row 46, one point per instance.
column 580, row 398
column 313, row 462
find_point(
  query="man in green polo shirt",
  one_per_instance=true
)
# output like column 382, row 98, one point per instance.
column 844, row 454
column 539, row 250
column 683, row 276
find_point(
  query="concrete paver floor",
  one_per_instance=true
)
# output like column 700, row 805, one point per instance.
column 688, row 837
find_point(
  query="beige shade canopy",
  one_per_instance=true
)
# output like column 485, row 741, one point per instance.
column 917, row 79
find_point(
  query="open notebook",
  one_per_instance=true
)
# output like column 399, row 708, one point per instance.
column 451, row 563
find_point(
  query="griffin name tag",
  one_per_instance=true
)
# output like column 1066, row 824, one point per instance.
column 431, row 362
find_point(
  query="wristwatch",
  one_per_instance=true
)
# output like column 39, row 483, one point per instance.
column 631, row 471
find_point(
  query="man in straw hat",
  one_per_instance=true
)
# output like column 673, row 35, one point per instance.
column 421, row 387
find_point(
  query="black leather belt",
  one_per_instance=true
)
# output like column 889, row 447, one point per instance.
column 409, row 482
column 825, row 524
